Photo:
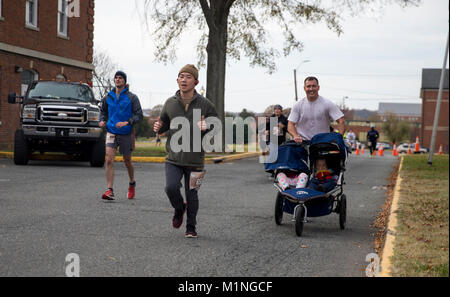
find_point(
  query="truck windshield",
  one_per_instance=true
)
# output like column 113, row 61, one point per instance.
column 60, row 91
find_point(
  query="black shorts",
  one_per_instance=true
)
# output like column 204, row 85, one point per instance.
column 124, row 142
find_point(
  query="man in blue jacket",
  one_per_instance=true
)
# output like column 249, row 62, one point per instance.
column 120, row 110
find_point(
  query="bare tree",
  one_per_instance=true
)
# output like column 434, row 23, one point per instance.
column 103, row 74
column 238, row 28
column 156, row 111
column 396, row 129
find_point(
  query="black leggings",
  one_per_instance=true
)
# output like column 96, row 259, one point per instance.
column 174, row 174
column 373, row 147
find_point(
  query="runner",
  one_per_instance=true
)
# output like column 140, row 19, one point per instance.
column 120, row 110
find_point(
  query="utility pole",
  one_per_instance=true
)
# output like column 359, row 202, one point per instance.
column 438, row 107
column 295, row 77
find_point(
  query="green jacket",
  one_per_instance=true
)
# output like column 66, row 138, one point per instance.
column 174, row 108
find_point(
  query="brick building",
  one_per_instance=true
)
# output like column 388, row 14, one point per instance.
column 429, row 94
column 41, row 39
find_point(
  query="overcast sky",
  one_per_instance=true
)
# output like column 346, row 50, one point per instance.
column 378, row 58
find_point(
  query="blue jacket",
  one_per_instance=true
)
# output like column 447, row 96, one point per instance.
column 125, row 108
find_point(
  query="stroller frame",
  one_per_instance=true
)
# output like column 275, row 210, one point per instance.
column 335, row 196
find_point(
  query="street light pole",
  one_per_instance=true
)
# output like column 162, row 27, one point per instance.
column 295, row 77
column 438, row 106
column 295, row 83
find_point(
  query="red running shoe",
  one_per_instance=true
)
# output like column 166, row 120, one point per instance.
column 177, row 219
column 131, row 191
column 108, row 195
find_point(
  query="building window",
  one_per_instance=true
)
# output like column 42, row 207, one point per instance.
column 62, row 17
column 28, row 76
column 31, row 13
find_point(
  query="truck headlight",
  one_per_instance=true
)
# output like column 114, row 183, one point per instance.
column 29, row 113
column 93, row 116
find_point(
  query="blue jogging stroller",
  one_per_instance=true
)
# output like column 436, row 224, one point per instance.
column 305, row 202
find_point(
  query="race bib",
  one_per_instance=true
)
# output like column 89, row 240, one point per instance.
column 196, row 179
column 110, row 138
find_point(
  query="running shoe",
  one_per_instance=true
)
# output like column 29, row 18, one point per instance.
column 190, row 232
column 108, row 195
column 131, row 191
column 177, row 219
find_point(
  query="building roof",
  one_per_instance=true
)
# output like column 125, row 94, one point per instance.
column 362, row 114
column 400, row 109
column 431, row 78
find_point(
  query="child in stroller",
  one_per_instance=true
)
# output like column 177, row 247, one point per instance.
column 292, row 179
column 323, row 179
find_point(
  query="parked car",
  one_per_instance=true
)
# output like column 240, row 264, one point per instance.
column 403, row 148
column 386, row 146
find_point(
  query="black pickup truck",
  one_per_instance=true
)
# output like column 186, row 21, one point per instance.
column 59, row 117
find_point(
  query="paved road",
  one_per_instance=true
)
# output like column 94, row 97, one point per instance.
column 51, row 209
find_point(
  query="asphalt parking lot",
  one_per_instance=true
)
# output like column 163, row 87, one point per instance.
column 49, row 209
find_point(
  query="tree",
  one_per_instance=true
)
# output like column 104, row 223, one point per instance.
column 143, row 128
column 238, row 28
column 245, row 114
column 156, row 111
column 269, row 110
column 395, row 129
column 103, row 74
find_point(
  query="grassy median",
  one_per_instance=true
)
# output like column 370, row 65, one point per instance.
column 145, row 148
column 421, row 245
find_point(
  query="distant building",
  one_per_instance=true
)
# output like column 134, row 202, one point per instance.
column 411, row 112
column 429, row 94
column 41, row 40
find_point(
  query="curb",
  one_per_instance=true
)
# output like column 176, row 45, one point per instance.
column 6, row 155
column 388, row 249
column 216, row 160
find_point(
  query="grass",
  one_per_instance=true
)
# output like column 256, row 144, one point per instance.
column 145, row 148
column 422, row 237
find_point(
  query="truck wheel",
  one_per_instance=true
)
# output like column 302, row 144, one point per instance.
column 21, row 149
column 98, row 153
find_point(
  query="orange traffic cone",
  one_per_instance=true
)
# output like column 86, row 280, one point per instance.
column 357, row 150
column 440, row 149
column 381, row 151
column 394, row 150
column 362, row 150
column 417, row 147
column 409, row 149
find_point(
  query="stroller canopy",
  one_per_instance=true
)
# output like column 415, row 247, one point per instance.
column 291, row 156
column 327, row 142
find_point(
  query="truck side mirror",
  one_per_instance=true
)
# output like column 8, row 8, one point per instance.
column 12, row 98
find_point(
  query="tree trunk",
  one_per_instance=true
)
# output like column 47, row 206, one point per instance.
column 216, row 50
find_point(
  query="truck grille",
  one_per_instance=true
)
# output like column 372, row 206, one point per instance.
column 62, row 115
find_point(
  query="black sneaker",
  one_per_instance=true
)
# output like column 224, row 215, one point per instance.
column 190, row 232
column 177, row 219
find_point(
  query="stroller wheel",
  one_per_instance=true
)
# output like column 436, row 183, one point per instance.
column 299, row 218
column 279, row 209
column 343, row 211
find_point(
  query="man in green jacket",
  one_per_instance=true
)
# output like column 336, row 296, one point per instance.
column 185, row 159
